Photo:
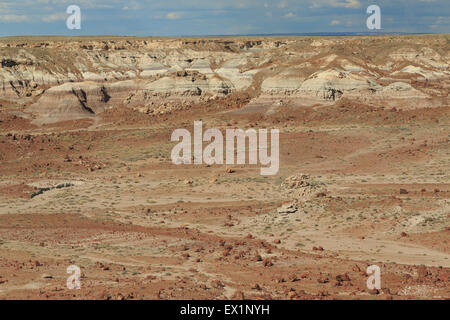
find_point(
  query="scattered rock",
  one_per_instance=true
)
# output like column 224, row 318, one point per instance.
column 267, row 262
column 356, row 268
column 288, row 208
column 229, row 170
column 422, row 272
column 342, row 277
column 217, row 284
column 213, row 180
column 238, row 295
column 256, row 287
column 293, row 278
column 257, row 258
column 374, row 291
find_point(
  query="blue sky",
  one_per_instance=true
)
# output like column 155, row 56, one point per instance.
column 208, row 17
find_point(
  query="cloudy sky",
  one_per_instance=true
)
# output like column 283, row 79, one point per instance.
column 212, row 17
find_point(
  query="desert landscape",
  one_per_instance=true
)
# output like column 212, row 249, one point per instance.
column 87, row 179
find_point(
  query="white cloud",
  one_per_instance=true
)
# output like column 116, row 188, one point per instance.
column 174, row 15
column 346, row 3
column 282, row 5
column 13, row 18
column 55, row 17
column 335, row 3
column 132, row 5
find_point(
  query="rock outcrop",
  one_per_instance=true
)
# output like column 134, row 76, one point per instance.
column 61, row 80
column 71, row 101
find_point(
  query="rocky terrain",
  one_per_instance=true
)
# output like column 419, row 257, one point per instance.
column 86, row 176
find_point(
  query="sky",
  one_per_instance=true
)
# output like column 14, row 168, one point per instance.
column 220, row 17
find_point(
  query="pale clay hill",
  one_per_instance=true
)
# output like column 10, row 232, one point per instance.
column 78, row 78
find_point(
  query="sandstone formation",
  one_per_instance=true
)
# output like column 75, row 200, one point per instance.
column 61, row 80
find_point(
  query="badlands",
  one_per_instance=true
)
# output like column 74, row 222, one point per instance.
column 86, row 177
